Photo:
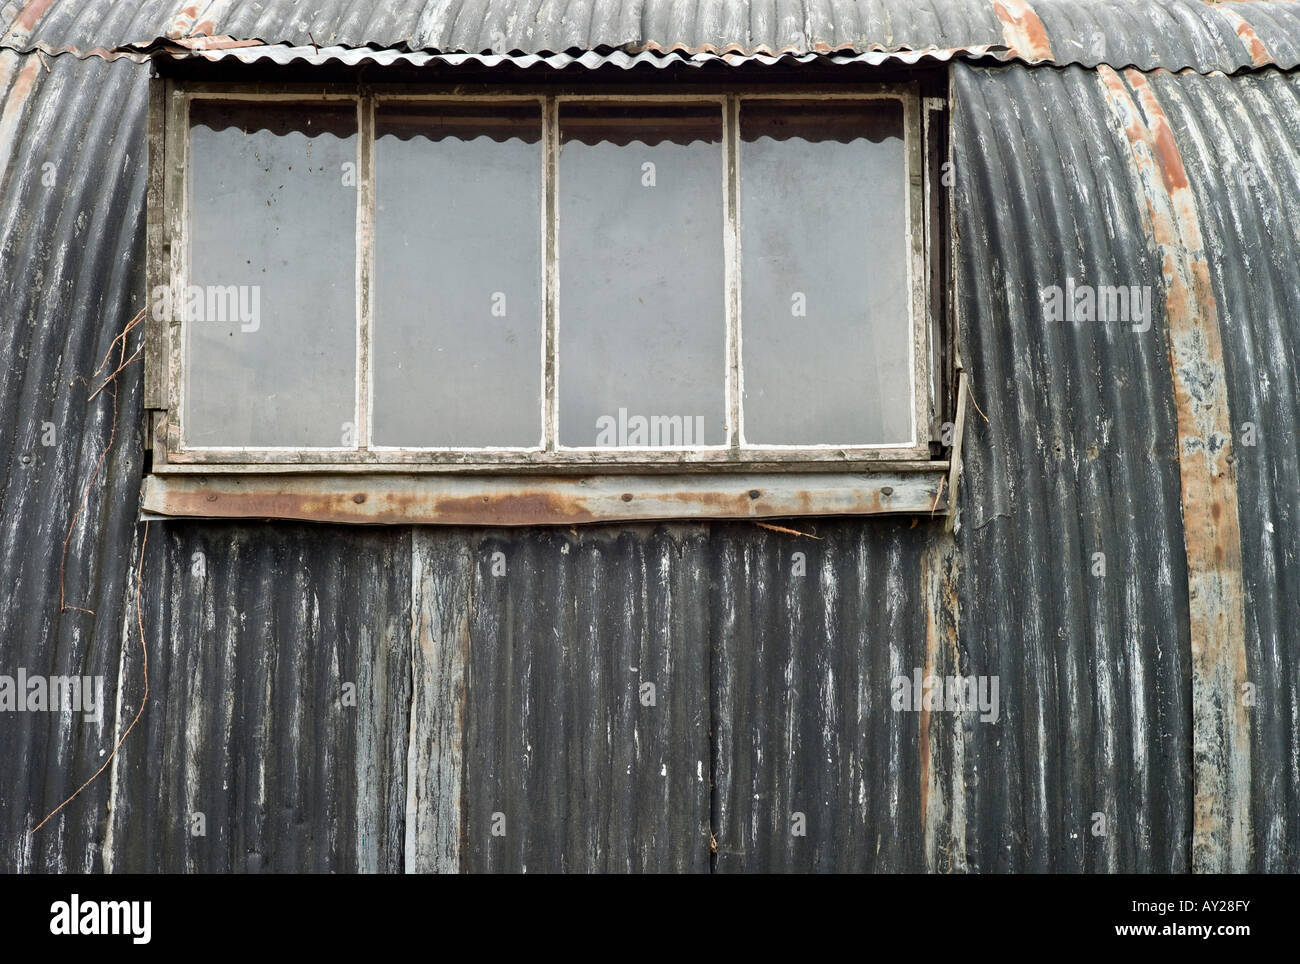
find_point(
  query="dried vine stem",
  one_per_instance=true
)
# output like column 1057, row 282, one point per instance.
column 118, row 343
column 109, row 381
column 144, row 700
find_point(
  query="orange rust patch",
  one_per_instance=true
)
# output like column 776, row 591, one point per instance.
column 1171, row 161
column 1022, row 30
column 1259, row 53
column 13, row 106
column 524, row 508
column 183, row 20
column 23, row 85
column 29, row 15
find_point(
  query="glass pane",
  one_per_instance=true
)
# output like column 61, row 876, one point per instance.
column 642, row 324
column 271, row 308
column 825, row 321
column 458, row 276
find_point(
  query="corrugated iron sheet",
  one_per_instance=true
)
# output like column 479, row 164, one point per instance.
column 1174, row 34
column 71, row 189
column 1240, row 144
column 793, row 26
column 352, row 56
column 481, row 694
column 280, row 683
column 1078, row 456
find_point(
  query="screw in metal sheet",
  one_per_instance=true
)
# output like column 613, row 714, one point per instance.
column 212, row 497
column 27, row 460
column 887, row 491
column 359, row 498
column 754, row 493
column 627, row 496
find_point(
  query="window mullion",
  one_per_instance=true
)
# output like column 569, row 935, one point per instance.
column 731, row 175
column 550, row 228
column 366, row 265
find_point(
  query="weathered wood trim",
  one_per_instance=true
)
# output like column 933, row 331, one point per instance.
column 942, row 738
column 542, row 500
column 157, row 273
column 442, row 579
column 523, row 469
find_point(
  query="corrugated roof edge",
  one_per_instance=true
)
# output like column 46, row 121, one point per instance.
column 632, row 54
column 282, row 55
column 249, row 50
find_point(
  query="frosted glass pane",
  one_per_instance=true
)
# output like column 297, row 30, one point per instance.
column 825, row 324
column 458, row 276
column 271, row 308
column 642, row 323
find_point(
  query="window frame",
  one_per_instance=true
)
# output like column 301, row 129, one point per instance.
column 169, row 209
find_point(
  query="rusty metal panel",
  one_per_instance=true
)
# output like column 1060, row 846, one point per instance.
column 1211, row 532
column 1075, row 454
column 1239, row 142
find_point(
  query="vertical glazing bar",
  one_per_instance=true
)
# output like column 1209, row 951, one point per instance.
column 551, row 278
column 731, row 196
column 365, row 263
column 916, row 271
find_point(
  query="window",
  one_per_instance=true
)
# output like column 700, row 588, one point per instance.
column 403, row 280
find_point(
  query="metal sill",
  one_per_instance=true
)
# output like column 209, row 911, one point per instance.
column 504, row 500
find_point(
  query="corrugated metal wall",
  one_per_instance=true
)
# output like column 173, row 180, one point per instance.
column 1078, row 456
column 1240, row 140
column 513, row 701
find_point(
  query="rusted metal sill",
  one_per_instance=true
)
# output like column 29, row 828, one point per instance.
column 539, row 500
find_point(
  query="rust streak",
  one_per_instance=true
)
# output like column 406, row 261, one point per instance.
column 1260, row 55
column 27, row 18
column 1022, row 30
column 183, row 20
column 523, row 508
column 14, row 103
column 1212, row 534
